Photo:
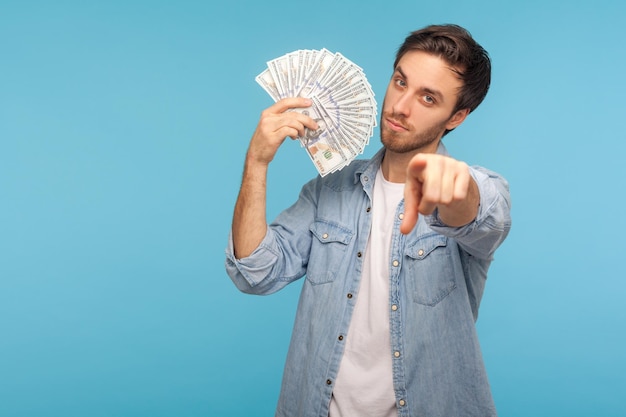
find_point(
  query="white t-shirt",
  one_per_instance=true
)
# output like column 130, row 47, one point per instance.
column 364, row 384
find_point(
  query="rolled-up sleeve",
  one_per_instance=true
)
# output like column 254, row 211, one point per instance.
column 247, row 273
column 282, row 255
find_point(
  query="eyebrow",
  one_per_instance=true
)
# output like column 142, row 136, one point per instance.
column 427, row 90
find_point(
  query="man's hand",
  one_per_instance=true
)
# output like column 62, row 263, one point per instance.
column 275, row 125
column 437, row 181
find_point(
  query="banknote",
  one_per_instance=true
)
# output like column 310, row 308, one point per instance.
column 344, row 105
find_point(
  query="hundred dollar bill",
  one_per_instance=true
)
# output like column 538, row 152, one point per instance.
column 344, row 104
column 343, row 143
column 268, row 83
column 323, row 148
column 278, row 70
column 320, row 65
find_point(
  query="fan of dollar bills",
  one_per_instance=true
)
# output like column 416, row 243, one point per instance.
column 343, row 103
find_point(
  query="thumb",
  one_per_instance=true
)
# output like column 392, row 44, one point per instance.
column 412, row 193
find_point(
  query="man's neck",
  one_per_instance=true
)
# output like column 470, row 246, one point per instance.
column 394, row 164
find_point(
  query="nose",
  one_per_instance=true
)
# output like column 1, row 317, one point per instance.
column 401, row 104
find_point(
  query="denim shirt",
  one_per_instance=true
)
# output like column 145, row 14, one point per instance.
column 437, row 277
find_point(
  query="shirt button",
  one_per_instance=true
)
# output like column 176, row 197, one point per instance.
column 396, row 354
column 395, row 263
column 325, row 236
column 349, row 295
column 402, row 403
column 420, row 252
column 394, row 307
column 328, row 382
column 359, row 254
column 401, row 216
column 340, row 337
column 368, row 209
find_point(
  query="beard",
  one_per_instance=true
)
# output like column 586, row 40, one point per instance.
column 411, row 140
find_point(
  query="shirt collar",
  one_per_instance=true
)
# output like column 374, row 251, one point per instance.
column 372, row 166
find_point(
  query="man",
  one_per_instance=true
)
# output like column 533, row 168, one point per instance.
column 395, row 249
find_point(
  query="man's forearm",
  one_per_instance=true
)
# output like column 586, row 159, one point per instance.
column 249, row 218
column 276, row 124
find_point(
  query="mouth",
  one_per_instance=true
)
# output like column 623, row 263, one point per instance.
column 395, row 125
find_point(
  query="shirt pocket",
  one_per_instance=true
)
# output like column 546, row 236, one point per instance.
column 430, row 273
column 328, row 251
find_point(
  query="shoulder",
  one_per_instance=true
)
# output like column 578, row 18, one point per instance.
column 348, row 177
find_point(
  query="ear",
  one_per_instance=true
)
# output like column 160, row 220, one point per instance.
column 457, row 118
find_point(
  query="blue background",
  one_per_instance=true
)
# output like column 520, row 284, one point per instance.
column 123, row 128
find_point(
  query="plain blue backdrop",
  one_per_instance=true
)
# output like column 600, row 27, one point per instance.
column 123, row 128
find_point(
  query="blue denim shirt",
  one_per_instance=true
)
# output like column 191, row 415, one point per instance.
column 437, row 277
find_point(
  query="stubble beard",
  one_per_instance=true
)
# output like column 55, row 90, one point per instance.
column 409, row 141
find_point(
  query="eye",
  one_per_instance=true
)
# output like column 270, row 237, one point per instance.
column 429, row 99
column 400, row 82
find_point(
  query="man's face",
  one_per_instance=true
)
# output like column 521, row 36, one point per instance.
column 418, row 105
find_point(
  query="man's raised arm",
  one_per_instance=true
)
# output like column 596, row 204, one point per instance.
column 276, row 124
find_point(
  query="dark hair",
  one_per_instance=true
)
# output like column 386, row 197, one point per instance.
column 456, row 46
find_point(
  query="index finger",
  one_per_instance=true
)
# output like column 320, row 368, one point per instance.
column 290, row 103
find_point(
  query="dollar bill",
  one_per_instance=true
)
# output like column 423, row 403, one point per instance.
column 344, row 105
